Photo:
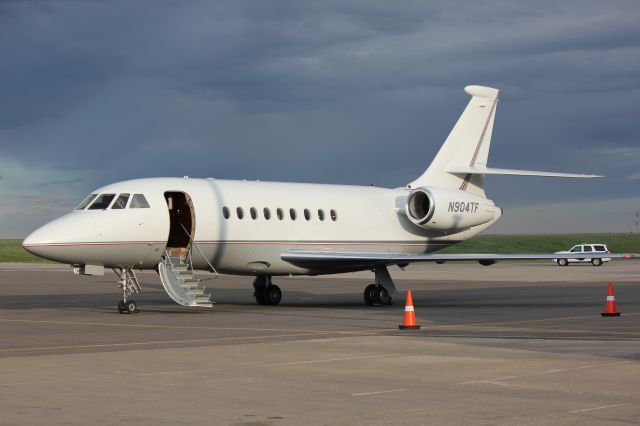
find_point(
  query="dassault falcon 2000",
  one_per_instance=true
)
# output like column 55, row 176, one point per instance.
column 267, row 229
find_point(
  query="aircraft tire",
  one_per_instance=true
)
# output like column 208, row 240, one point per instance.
column 381, row 296
column 369, row 296
column 122, row 308
column 131, row 307
column 273, row 295
column 260, row 296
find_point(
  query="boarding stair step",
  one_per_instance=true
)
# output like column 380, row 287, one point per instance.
column 193, row 286
column 181, row 284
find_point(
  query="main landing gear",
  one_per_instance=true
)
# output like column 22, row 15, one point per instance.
column 381, row 293
column 376, row 295
column 266, row 293
column 129, row 285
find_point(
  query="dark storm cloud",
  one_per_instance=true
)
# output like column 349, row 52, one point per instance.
column 346, row 91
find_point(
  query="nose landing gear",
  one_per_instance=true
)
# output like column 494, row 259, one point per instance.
column 127, row 307
column 129, row 285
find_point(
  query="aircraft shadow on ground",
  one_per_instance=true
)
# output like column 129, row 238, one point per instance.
column 475, row 299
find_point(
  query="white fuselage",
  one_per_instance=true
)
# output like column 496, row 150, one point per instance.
column 365, row 219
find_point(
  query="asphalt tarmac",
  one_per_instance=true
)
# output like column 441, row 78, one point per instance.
column 508, row 344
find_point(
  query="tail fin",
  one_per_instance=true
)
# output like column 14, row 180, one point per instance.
column 461, row 162
column 467, row 145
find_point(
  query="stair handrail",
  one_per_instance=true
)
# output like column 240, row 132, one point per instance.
column 168, row 258
column 200, row 250
column 172, row 269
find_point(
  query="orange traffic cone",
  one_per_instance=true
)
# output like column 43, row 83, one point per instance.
column 409, row 321
column 610, row 309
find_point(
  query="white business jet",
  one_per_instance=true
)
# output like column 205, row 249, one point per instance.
column 267, row 229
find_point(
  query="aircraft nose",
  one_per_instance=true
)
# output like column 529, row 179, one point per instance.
column 54, row 240
column 41, row 241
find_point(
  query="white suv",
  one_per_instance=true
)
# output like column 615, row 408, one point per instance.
column 582, row 252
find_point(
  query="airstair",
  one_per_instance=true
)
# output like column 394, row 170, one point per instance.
column 179, row 280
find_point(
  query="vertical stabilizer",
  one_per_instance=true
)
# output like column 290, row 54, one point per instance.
column 467, row 145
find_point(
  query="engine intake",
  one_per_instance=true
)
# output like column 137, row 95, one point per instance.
column 444, row 209
column 420, row 206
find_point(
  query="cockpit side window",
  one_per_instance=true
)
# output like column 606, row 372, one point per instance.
column 121, row 201
column 86, row 202
column 138, row 201
column 102, row 202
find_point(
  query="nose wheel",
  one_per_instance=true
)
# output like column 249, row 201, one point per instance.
column 129, row 285
column 128, row 307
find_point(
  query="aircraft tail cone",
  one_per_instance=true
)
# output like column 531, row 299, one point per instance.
column 409, row 321
column 610, row 309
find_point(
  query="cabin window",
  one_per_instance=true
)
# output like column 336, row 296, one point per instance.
column 292, row 214
column 267, row 213
column 320, row 214
column 240, row 212
column 279, row 213
column 102, row 202
column 86, row 202
column 334, row 215
column 138, row 201
column 307, row 214
column 254, row 213
column 225, row 212
column 121, row 201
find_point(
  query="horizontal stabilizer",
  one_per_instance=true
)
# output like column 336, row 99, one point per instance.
column 482, row 170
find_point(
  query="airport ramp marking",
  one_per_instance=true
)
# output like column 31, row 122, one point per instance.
column 498, row 380
column 190, row 327
column 280, row 364
column 319, row 361
column 586, row 410
column 464, row 330
column 379, row 392
column 165, row 342
column 549, row 331
column 498, row 323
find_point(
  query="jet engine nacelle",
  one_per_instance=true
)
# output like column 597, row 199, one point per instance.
column 443, row 209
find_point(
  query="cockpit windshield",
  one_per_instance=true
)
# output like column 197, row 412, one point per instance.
column 86, row 202
column 102, row 202
column 139, row 202
column 121, row 201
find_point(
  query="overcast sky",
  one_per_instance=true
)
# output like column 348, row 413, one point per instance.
column 353, row 92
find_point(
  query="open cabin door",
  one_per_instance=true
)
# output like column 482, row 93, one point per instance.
column 182, row 222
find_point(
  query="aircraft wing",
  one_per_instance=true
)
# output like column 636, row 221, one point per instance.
column 339, row 260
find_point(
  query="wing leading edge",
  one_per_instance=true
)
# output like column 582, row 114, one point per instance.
column 338, row 260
